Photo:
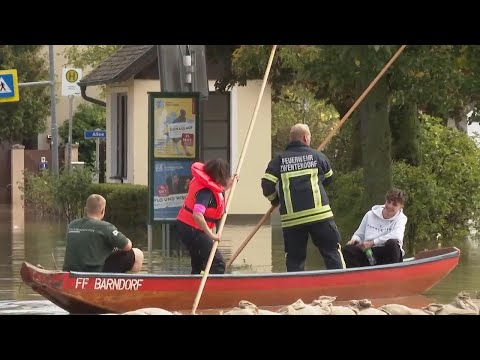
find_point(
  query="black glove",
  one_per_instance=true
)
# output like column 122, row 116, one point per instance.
column 275, row 202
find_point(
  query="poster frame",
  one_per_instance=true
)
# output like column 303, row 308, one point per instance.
column 152, row 97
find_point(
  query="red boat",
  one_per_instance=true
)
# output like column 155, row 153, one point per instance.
column 96, row 293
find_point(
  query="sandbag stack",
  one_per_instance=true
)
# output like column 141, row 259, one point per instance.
column 463, row 304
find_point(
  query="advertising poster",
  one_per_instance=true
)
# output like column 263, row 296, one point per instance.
column 175, row 122
column 170, row 186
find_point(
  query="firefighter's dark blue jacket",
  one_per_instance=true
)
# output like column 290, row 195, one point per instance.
column 301, row 173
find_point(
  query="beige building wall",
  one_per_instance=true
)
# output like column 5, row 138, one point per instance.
column 140, row 133
column 248, row 197
column 62, row 107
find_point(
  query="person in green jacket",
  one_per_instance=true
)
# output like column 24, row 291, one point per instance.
column 94, row 245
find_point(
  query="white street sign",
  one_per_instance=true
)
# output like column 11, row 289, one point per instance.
column 70, row 78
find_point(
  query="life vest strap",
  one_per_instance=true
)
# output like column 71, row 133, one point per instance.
column 206, row 218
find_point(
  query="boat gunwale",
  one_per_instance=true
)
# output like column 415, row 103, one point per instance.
column 454, row 253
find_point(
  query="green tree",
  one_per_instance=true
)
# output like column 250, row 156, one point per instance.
column 23, row 120
column 441, row 80
column 86, row 117
column 443, row 190
column 406, row 133
column 297, row 104
column 85, row 56
column 61, row 195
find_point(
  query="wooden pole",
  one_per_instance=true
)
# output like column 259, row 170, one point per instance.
column 323, row 145
column 359, row 100
column 232, row 190
column 252, row 233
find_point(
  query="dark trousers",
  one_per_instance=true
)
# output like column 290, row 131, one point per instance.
column 199, row 246
column 388, row 254
column 325, row 237
column 119, row 262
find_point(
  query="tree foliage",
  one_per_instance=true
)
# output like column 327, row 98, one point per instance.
column 60, row 195
column 443, row 191
column 297, row 104
column 24, row 119
column 88, row 56
column 439, row 80
column 87, row 117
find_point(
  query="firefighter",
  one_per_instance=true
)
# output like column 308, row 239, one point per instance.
column 301, row 173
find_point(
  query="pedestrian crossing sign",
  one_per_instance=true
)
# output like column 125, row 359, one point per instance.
column 9, row 85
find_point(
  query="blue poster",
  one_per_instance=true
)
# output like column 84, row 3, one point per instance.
column 170, row 186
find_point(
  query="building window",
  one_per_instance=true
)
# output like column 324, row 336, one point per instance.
column 120, row 136
column 215, row 128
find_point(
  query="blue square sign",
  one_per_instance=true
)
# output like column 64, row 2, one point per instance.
column 8, row 85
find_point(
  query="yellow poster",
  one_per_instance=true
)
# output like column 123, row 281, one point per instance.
column 174, row 124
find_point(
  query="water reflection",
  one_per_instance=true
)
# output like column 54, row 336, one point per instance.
column 6, row 274
column 41, row 241
column 33, row 307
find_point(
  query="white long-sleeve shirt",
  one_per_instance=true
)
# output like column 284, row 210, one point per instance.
column 375, row 227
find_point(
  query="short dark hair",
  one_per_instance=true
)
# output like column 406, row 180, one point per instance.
column 219, row 170
column 396, row 195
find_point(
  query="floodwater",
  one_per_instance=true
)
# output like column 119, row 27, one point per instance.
column 42, row 241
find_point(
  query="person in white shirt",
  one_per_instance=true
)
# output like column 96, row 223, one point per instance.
column 382, row 230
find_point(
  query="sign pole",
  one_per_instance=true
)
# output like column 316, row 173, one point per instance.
column 53, row 110
column 70, row 88
column 70, row 120
column 97, row 135
column 97, row 158
column 150, row 246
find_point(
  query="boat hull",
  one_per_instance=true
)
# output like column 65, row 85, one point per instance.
column 117, row 293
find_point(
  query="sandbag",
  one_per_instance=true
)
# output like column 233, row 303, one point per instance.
column 325, row 303
column 148, row 311
column 247, row 308
column 365, row 307
column 464, row 302
column 343, row 310
column 461, row 305
column 267, row 312
column 397, row 309
column 300, row 308
column 476, row 302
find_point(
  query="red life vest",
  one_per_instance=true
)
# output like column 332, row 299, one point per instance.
column 201, row 181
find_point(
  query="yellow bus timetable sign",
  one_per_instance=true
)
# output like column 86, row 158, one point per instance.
column 70, row 79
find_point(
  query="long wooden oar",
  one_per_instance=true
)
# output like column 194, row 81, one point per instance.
column 230, row 195
column 359, row 100
column 322, row 146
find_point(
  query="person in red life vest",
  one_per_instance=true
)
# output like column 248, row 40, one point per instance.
column 203, row 207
